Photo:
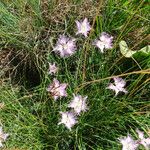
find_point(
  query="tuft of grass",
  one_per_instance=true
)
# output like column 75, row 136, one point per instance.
column 28, row 32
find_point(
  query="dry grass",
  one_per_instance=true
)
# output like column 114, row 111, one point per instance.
column 62, row 9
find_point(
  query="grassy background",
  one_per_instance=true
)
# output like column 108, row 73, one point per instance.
column 29, row 30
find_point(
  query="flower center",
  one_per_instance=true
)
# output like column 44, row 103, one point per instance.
column 83, row 28
column 79, row 104
column 65, row 46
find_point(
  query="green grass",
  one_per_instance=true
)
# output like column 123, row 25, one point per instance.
column 29, row 30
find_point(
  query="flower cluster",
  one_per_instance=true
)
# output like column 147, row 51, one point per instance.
column 65, row 47
column 128, row 143
column 78, row 104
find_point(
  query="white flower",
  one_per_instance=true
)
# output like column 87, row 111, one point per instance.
column 65, row 46
column 104, row 41
column 144, row 141
column 83, row 27
column 52, row 68
column 119, row 86
column 57, row 90
column 128, row 143
column 3, row 137
column 68, row 119
column 78, row 104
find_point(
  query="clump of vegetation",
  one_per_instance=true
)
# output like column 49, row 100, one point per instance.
column 64, row 81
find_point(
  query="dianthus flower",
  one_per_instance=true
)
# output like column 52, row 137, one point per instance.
column 144, row 141
column 83, row 27
column 128, row 143
column 104, row 41
column 3, row 137
column 118, row 86
column 52, row 68
column 65, row 46
column 57, row 90
column 78, row 104
column 68, row 119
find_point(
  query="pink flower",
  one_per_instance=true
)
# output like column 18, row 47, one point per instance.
column 78, row 104
column 3, row 137
column 65, row 46
column 128, row 143
column 144, row 141
column 104, row 41
column 52, row 68
column 83, row 27
column 118, row 86
column 57, row 90
column 68, row 119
